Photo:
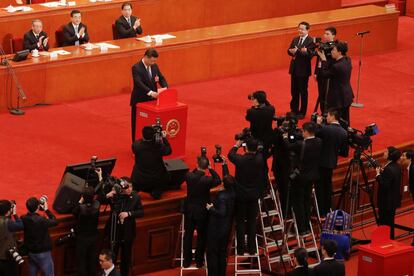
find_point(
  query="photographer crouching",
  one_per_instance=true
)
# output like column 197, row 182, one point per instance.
column 121, row 227
column 9, row 223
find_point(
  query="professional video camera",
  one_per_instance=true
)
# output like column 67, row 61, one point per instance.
column 15, row 255
column 325, row 47
column 289, row 126
column 314, row 118
column 244, row 135
column 158, row 130
column 217, row 157
column 362, row 140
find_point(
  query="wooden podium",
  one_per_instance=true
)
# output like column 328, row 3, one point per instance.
column 173, row 117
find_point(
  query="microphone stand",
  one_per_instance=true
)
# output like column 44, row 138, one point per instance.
column 12, row 73
column 356, row 103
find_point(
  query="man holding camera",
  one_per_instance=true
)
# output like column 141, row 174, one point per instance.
column 334, row 142
column 149, row 173
column 126, row 206
column 9, row 223
column 196, row 215
column 37, row 238
column 251, row 179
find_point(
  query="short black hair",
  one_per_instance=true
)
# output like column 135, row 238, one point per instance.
column 74, row 12
column 393, row 154
column 126, row 4
column 109, row 255
column 331, row 29
column 32, row 204
column 148, row 133
column 330, row 247
column 151, row 52
column 334, row 112
column 309, row 127
column 409, row 154
column 260, row 96
column 301, row 256
column 5, row 206
column 342, row 47
column 88, row 194
column 252, row 144
column 306, row 24
column 202, row 162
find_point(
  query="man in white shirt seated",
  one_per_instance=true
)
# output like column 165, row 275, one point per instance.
column 75, row 32
column 106, row 261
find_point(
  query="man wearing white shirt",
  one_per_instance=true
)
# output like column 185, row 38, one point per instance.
column 107, row 264
column 75, row 32
column 329, row 266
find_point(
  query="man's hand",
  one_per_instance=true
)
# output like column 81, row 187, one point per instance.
column 122, row 216
column 45, row 41
column 319, row 120
column 81, row 32
column 99, row 173
column 160, row 90
column 239, row 143
column 137, row 23
column 379, row 170
column 304, row 50
column 110, row 194
column 14, row 210
column 321, row 54
column 208, row 206
column 164, row 134
column 154, row 94
column 45, row 206
column 293, row 50
column 81, row 200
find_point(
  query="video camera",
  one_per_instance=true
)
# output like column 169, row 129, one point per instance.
column 289, row 126
column 244, row 135
column 362, row 140
column 325, row 47
column 217, row 158
column 158, row 130
column 314, row 118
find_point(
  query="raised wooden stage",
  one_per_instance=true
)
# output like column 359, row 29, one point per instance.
column 194, row 55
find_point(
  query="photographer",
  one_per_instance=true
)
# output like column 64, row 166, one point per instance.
column 149, row 173
column 340, row 94
column 196, row 215
column 389, row 182
column 86, row 213
column 251, row 178
column 37, row 238
column 9, row 223
column 323, row 83
column 260, row 116
column 125, row 208
column 334, row 143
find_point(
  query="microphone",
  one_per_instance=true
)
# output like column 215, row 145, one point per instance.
column 363, row 33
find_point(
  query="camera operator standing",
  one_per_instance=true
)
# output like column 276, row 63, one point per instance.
column 251, row 179
column 37, row 238
column 334, row 142
column 9, row 223
column 340, row 94
column 196, row 215
column 149, row 173
column 125, row 208
column 260, row 116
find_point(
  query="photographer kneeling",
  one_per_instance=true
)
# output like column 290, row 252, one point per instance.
column 9, row 223
column 150, row 174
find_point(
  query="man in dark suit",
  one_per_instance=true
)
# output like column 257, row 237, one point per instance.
column 307, row 172
column 36, row 38
column 75, row 32
column 301, row 261
column 329, row 266
column 127, row 25
column 106, row 261
column 196, row 215
column 251, row 179
column 409, row 162
column 389, row 188
column 147, row 76
column 149, row 173
column 334, row 142
column 301, row 50
column 340, row 94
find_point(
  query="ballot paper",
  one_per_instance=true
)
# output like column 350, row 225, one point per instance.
column 12, row 9
column 61, row 52
column 157, row 37
column 107, row 45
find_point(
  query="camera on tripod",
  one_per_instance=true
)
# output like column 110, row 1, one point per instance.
column 325, row 47
column 15, row 255
column 157, row 127
column 362, row 140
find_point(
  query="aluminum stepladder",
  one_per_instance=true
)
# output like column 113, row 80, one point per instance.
column 240, row 262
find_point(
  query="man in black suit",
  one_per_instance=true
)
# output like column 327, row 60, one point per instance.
column 106, row 261
column 75, row 32
column 340, row 94
column 301, row 261
column 127, row 25
column 409, row 162
column 36, row 38
column 196, row 215
column 334, row 142
column 301, row 50
column 251, row 179
column 306, row 173
column 149, row 173
column 147, row 76
column 389, row 188
column 329, row 266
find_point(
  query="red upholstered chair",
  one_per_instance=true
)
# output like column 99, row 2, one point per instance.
column 114, row 33
column 59, row 37
column 16, row 44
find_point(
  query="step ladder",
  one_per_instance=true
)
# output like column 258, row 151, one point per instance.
column 246, row 264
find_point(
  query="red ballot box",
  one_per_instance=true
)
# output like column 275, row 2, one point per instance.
column 173, row 117
column 385, row 257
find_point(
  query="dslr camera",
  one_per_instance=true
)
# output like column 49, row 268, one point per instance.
column 158, row 130
column 42, row 200
column 289, row 126
column 314, row 118
column 217, row 157
column 244, row 135
column 325, row 47
column 15, row 255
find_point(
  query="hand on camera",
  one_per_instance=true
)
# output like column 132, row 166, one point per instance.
column 122, row 216
column 208, row 206
column 110, row 194
column 321, row 54
column 319, row 120
column 81, row 200
column 44, row 206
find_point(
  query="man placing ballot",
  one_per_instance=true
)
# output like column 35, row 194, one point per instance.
column 75, row 32
column 147, row 76
column 36, row 38
column 127, row 25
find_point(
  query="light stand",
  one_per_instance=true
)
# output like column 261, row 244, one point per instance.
column 356, row 103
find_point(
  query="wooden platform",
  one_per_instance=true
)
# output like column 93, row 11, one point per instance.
column 194, row 55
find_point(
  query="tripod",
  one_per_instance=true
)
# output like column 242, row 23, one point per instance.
column 351, row 184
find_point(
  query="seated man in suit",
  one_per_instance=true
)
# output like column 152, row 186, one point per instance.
column 127, row 25
column 106, row 260
column 329, row 266
column 36, row 38
column 301, row 261
column 75, row 32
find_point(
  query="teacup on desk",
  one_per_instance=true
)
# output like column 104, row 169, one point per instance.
column 35, row 53
column 53, row 55
column 88, row 47
column 158, row 40
column 104, row 48
column 147, row 39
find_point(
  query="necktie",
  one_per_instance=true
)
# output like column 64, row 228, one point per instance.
column 300, row 42
column 37, row 37
column 129, row 21
column 76, row 32
column 149, row 72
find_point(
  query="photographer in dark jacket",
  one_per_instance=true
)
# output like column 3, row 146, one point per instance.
column 9, row 223
column 196, row 215
column 86, row 213
column 37, row 238
column 150, row 174
column 334, row 142
column 389, row 188
column 126, row 206
column 251, row 179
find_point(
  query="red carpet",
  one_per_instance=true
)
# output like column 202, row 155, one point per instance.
column 36, row 147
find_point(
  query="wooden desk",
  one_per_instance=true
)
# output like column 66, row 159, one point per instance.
column 198, row 54
column 157, row 16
